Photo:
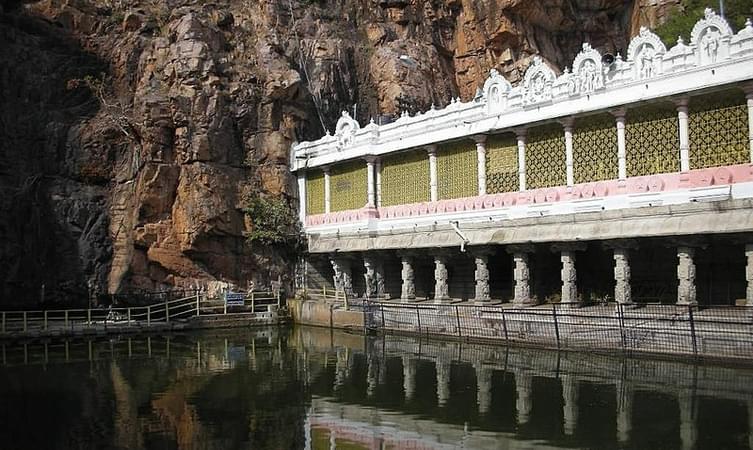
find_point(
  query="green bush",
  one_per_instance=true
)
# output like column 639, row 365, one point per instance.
column 274, row 222
column 683, row 18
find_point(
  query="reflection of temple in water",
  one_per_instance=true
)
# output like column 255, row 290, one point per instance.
column 404, row 393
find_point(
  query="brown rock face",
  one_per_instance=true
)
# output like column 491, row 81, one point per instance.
column 132, row 131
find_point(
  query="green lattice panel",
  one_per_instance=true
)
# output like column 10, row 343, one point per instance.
column 595, row 149
column 314, row 193
column 653, row 142
column 348, row 186
column 502, row 164
column 545, row 157
column 457, row 168
column 719, row 130
column 405, row 178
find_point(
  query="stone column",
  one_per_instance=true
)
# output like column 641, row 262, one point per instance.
column 327, row 191
column 482, row 278
column 749, row 275
column 443, row 382
column 343, row 279
column 481, row 158
column 619, row 116
column 622, row 291
column 408, row 291
column 686, row 294
column 521, row 274
column 370, row 276
column 749, row 98
column 483, row 388
column 523, row 403
column 302, row 196
column 521, row 135
column 568, row 274
column 441, row 289
column 409, row 376
column 378, row 169
column 432, row 150
column 370, row 183
column 570, row 393
column 567, row 124
column 682, row 119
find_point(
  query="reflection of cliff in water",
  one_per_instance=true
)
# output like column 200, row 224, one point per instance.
column 315, row 388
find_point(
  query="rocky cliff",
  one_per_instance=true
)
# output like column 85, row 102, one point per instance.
column 133, row 132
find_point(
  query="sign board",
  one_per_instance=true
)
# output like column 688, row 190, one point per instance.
column 234, row 298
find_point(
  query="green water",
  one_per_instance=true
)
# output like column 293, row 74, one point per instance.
column 310, row 388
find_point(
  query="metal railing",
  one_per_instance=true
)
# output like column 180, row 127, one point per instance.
column 712, row 332
column 70, row 321
column 332, row 296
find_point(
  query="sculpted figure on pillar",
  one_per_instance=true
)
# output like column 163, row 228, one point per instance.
column 370, row 277
column 686, row 292
column 342, row 278
column 408, row 291
column 441, row 288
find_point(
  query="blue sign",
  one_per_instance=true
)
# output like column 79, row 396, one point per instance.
column 234, row 298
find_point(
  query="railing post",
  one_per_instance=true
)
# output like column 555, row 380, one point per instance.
column 148, row 316
column 556, row 325
column 621, row 324
column 224, row 306
column 692, row 330
column 253, row 302
column 345, row 300
column 278, row 298
column 457, row 319
column 128, row 314
column 89, row 316
column 418, row 318
column 45, row 320
column 167, row 312
column 24, row 321
column 198, row 303
column 324, row 291
column 65, row 319
column 381, row 307
column 504, row 323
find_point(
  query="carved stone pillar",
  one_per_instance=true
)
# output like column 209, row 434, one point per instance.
column 409, row 377
column 443, row 382
column 521, row 136
column 749, row 274
column 569, row 277
column 686, row 294
column 682, row 119
column 370, row 277
column 483, row 388
column 343, row 278
column 482, row 278
column 370, row 182
column 481, row 160
column 408, row 291
column 622, row 292
column 433, row 186
column 521, row 274
column 441, row 288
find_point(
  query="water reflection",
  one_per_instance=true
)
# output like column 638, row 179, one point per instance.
column 312, row 388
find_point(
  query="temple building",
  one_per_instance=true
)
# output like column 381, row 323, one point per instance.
column 628, row 180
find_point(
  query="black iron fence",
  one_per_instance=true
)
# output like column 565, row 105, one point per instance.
column 718, row 332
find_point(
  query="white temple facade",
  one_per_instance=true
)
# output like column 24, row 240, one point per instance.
column 646, row 159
